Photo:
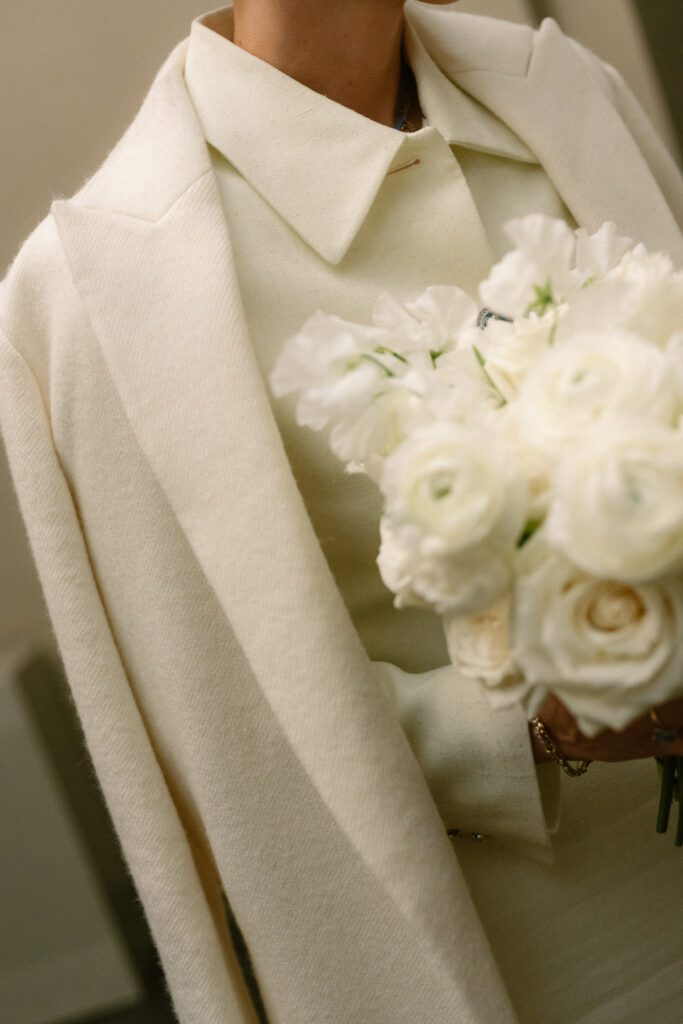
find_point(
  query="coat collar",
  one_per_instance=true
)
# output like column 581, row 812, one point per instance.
column 287, row 140
column 537, row 83
column 559, row 110
column 147, row 244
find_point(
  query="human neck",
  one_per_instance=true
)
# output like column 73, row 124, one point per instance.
column 347, row 50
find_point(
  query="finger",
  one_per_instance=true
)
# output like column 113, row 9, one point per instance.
column 638, row 740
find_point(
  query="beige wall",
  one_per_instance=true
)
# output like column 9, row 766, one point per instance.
column 72, row 74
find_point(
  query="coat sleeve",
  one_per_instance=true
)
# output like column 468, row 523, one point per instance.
column 179, row 890
column 478, row 763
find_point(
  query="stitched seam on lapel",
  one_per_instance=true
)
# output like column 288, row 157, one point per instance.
column 125, row 213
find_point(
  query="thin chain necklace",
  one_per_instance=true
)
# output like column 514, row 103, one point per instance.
column 408, row 113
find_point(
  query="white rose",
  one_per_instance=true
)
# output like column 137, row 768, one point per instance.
column 457, row 484
column 427, row 575
column 609, row 650
column 587, row 378
column 617, row 510
column 479, row 645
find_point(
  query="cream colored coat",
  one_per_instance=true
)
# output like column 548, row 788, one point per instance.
column 235, row 722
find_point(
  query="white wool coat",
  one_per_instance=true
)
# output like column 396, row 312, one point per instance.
column 236, row 725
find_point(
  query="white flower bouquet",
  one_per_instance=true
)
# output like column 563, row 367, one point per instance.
column 530, row 455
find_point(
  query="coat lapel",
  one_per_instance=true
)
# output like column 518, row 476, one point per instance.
column 539, row 85
column 158, row 281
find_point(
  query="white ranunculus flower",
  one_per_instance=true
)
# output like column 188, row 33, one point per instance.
column 430, row 323
column 540, row 272
column 653, row 300
column 599, row 253
column 608, row 649
column 640, row 266
column 535, row 465
column 604, row 305
column 510, row 350
column 460, row 391
column 479, row 644
column 641, row 295
column 617, row 509
column 429, row 576
column 674, row 359
column 588, row 378
column 458, row 485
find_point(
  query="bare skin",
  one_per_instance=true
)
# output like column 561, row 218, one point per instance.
column 631, row 743
column 350, row 51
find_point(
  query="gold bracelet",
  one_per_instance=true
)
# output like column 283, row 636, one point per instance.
column 545, row 737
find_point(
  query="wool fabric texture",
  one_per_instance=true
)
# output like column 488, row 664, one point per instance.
column 241, row 734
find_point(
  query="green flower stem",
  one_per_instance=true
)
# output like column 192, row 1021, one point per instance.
column 668, row 766
column 378, row 362
column 382, row 350
column 679, row 795
column 529, row 530
column 482, row 362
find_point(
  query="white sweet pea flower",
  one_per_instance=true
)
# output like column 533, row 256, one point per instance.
column 617, row 509
column 392, row 316
column 457, row 484
column 539, row 273
column 334, row 366
column 430, row 323
column 608, row 649
column 587, row 378
column 427, row 575
column 371, row 431
column 455, row 390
